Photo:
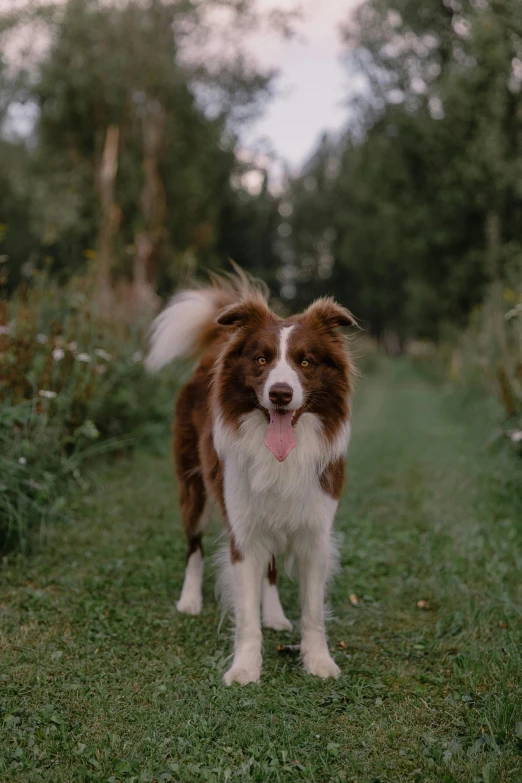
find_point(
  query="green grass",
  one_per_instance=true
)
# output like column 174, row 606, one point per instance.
column 101, row 680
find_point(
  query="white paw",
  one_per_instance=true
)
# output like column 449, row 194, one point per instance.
column 189, row 604
column 242, row 675
column 277, row 622
column 321, row 665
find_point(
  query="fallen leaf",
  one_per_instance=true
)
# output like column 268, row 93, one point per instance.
column 342, row 645
column 502, row 625
column 353, row 599
column 291, row 649
column 423, row 605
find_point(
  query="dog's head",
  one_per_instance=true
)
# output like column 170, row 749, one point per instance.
column 285, row 368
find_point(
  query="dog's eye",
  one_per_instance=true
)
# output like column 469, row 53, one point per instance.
column 305, row 363
column 261, row 360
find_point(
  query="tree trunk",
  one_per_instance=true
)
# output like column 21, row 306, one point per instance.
column 148, row 241
column 110, row 218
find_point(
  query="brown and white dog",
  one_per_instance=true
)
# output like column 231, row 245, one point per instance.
column 262, row 427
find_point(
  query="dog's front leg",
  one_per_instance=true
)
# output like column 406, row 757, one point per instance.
column 247, row 576
column 314, row 566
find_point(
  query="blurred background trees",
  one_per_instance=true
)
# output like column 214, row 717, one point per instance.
column 133, row 166
column 131, row 160
column 420, row 201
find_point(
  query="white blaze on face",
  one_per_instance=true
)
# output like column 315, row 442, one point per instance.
column 283, row 372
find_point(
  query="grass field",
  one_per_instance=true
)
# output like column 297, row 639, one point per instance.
column 101, row 680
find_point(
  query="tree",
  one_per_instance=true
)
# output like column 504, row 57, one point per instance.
column 424, row 196
column 134, row 147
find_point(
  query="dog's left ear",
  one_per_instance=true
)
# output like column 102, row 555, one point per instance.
column 327, row 314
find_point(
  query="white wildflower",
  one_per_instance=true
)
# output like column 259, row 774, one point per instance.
column 103, row 354
column 22, row 461
column 73, row 346
column 89, row 429
column 49, row 395
column 41, row 338
column 58, row 354
column 137, row 356
column 4, row 330
column 516, row 436
column 84, row 357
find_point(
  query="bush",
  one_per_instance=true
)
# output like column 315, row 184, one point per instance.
column 490, row 352
column 72, row 386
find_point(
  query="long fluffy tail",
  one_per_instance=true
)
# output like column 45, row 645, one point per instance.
column 187, row 325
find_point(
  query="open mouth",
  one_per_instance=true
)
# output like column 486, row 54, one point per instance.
column 280, row 436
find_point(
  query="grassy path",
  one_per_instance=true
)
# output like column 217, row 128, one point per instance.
column 100, row 679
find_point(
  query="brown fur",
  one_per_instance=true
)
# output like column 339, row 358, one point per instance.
column 272, row 572
column 332, row 479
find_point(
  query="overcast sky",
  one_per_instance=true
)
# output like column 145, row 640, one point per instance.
column 313, row 82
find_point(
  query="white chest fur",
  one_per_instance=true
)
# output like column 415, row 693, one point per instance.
column 268, row 502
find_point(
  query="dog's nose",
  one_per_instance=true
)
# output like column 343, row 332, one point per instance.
column 280, row 394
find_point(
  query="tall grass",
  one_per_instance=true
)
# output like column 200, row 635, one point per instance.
column 490, row 352
column 71, row 387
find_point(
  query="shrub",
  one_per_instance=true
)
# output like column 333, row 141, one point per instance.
column 490, row 352
column 71, row 386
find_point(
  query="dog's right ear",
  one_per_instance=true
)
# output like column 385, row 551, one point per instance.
column 252, row 312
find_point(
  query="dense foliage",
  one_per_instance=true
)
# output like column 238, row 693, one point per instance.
column 73, row 387
column 132, row 159
column 418, row 207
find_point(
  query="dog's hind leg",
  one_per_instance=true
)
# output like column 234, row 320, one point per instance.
column 194, row 511
column 195, row 518
column 273, row 614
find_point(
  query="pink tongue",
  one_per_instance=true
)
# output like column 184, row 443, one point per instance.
column 280, row 437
